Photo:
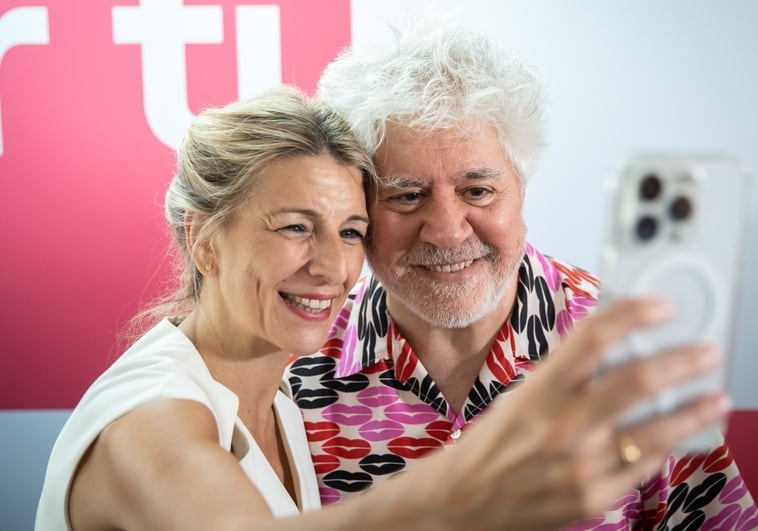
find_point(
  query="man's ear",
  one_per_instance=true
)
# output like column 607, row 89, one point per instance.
column 202, row 254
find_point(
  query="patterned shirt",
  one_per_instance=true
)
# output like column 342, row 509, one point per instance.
column 371, row 408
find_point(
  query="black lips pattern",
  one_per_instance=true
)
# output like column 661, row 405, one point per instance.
column 348, row 481
column 352, row 453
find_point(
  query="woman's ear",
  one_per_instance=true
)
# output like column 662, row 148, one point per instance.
column 201, row 252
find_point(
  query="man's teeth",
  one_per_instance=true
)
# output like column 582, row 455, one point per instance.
column 451, row 268
column 310, row 304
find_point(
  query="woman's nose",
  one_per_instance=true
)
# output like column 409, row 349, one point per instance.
column 329, row 259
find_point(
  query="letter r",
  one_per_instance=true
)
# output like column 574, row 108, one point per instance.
column 19, row 26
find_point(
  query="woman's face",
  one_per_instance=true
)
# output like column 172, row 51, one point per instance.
column 285, row 264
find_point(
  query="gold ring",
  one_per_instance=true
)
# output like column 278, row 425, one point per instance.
column 629, row 451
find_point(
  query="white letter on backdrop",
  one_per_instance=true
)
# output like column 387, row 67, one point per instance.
column 259, row 49
column 163, row 28
column 22, row 25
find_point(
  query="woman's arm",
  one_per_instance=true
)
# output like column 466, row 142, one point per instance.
column 161, row 467
column 541, row 457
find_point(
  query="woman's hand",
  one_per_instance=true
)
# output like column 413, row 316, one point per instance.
column 550, row 452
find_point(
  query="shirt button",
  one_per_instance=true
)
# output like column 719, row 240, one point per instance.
column 455, row 435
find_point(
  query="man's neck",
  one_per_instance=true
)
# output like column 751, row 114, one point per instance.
column 452, row 356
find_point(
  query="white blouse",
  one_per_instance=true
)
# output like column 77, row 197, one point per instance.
column 165, row 364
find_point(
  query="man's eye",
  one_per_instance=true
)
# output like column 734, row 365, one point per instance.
column 478, row 194
column 406, row 197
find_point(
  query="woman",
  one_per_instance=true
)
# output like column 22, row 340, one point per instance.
column 188, row 428
column 268, row 209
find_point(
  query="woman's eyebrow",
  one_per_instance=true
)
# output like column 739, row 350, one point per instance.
column 312, row 214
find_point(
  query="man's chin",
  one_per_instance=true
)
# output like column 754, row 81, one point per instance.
column 446, row 307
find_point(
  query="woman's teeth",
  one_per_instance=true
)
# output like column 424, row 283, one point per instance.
column 316, row 305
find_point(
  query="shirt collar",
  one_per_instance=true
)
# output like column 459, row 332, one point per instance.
column 549, row 288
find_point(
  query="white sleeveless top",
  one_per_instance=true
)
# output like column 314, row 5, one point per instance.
column 165, row 364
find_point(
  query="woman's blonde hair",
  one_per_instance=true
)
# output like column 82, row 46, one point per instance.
column 220, row 158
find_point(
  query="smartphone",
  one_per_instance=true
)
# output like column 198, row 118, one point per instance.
column 676, row 228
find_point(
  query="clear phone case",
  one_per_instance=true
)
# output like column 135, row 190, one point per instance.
column 677, row 226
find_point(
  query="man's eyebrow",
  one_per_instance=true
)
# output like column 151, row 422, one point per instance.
column 476, row 174
column 482, row 174
column 399, row 181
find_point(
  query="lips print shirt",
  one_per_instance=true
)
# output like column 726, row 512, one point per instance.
column 371, row 408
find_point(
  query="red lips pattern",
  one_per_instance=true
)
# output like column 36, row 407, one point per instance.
column 321, row 431
column 412, row 447
column 371, row 408
column 347, row 448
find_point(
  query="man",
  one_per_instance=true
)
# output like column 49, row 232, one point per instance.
column 460, row 308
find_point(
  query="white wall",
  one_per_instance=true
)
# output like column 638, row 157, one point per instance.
column 621, row 76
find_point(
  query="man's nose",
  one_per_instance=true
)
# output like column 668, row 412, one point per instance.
column 445, row 221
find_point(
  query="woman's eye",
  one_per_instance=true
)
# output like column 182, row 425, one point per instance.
column 353, row 234
column 294, row 228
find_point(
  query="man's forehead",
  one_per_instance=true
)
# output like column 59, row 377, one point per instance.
column 440, row 136
column 411, row 156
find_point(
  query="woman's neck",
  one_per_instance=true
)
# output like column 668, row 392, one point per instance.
column 249, row 367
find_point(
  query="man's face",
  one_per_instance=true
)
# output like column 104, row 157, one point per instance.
column 448, row 233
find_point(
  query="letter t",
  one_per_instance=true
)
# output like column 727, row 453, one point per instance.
column 163, row 28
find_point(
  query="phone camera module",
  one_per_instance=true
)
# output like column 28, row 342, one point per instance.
column 647, row 227
column 681, row 208
column 650, row 187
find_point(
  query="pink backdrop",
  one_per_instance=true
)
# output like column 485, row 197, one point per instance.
column 83, row 175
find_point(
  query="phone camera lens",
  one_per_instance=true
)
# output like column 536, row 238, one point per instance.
column 647, row 227
column 681, row 208
column 650, row 187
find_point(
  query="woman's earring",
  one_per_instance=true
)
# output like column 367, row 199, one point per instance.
column 208, row 267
